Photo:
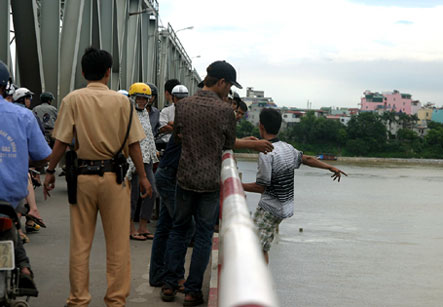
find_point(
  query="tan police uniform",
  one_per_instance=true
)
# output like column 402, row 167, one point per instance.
column 98, row 118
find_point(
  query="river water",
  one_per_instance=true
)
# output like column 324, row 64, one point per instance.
column 374, row 239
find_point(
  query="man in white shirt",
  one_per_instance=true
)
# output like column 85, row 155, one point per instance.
column 167, row 115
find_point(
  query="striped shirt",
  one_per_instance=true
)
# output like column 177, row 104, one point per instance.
column 276, row 173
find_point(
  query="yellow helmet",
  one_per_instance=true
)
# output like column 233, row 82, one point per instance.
column 140, row 89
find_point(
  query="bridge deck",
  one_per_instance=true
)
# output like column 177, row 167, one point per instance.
column 49, row 254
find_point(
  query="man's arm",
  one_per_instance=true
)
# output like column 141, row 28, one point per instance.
column 255, row 144
column 57, row 152
column 166, row 124
column 313, row 162
column 167, row 128
column 39, row 163
column 136, row 156
column 253, row 187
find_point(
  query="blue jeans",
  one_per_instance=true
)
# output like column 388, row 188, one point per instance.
column 203, row 207
column 166, row 183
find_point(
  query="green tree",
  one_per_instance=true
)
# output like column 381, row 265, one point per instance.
column 366, row 134
column 245, row 128
column 410, row 142
column 434, row 141
column 388, row 119
column 316, row 134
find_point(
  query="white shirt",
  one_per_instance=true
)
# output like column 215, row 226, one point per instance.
column 166, row 115
column 276, row 173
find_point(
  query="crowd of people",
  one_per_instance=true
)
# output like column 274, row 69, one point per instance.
column 130, row 156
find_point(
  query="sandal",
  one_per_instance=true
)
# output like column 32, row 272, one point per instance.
column 24, row 238
column 32, row 228
column 167, row 294
column 38, row 221
column 137, row 237
column 147, row 235
column 181, row 286
column 193, row 299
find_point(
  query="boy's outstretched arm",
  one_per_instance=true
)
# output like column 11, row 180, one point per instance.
column 313, row 162
column 253, row 187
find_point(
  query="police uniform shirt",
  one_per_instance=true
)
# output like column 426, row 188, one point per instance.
column 98, row 118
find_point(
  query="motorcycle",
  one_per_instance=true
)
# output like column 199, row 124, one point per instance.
column 9, row 273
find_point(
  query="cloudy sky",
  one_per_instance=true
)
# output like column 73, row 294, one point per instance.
column 325, row 51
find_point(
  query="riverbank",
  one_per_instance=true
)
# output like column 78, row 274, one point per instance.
column 254, row 157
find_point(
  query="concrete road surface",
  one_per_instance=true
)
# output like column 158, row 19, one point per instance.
column 49, row 255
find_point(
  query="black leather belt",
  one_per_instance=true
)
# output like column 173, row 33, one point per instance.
column 94, row 167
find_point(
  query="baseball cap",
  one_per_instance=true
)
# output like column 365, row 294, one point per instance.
column 180, row 91
column 223, row 70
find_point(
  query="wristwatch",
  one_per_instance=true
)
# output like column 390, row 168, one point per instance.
column 50, row 171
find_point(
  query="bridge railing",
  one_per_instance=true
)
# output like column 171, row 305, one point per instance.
column 244, row 278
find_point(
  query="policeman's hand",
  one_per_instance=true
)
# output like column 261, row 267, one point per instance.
column 263, row 146
column 337, row 173
column 145, row 188
column 253, row 138
column 48, row 185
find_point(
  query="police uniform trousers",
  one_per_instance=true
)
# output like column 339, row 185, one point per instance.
column 101, row 194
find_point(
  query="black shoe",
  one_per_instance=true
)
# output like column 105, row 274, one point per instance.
column 193, row 299
column 26, row 286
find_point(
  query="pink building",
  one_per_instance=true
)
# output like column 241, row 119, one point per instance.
column 389, row 101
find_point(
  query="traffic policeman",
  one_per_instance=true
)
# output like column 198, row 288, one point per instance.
column 97, row 119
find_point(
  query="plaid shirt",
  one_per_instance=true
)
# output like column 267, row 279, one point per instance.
column 206, row 125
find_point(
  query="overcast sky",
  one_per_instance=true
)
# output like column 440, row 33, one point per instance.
column 325, row 51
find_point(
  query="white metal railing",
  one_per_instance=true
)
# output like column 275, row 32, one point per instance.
column 245, row 279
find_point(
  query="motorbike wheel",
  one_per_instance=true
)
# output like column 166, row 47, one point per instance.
column 20, row 303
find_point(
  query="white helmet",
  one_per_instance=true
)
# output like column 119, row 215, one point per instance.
column 21, row 93
column 123, row 92
column 180, row 91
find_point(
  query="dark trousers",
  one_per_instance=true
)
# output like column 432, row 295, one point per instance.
column 203, row 207
column 147, row 204
column 166, row 183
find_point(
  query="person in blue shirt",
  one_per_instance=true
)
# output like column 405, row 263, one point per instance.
column 20, row 140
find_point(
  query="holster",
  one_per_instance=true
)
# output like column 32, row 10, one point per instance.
column 71, row 175
column 121, row 166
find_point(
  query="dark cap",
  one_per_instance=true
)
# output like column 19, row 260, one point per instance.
column 46, row 96
column 223, row 70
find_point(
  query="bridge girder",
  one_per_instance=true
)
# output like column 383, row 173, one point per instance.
column 51, row 36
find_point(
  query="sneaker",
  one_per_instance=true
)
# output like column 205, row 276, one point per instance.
column 193, row 299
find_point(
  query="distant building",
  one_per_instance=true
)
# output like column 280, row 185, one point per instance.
column 251, row 93
column 342, row 118
column 256, row 101
column 390, row 101
column 291, row 117
column 255, row 108
column 425, row 114
column 255, row 96
column 437, row 116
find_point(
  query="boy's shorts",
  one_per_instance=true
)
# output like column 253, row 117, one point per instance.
column 267, row 225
